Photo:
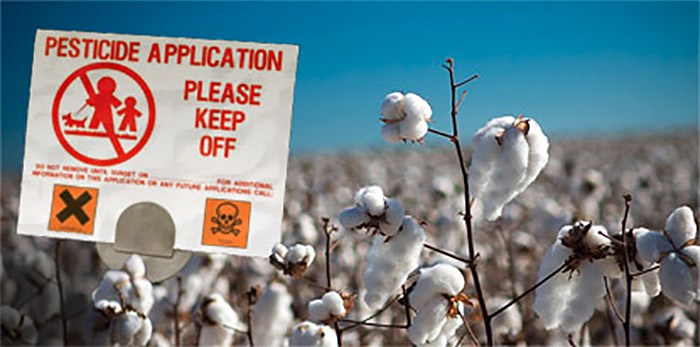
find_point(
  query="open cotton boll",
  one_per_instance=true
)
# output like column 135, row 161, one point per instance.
column 416, row 108
column 587, row 288
column 279, row 253
column 130, row 329
column 391, row 132
column 107, row 289
column 353, row 217
column 135, row 267
column 676, row 281
column 301, row 254
column 392, row 108
column 551, row 296
column 394, row 216
column 390, row 262
column 435, row 281
column 650, row 244
column 329, row 307
column 427, row 324
column 309, row 334
column 372, row 200
column 509, row 153
column 413, row 130
column 218, row 320
column 680, row 226
column 272, row 316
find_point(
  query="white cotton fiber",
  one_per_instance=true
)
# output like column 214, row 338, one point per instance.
column 300, row 254
column 372, row 200
column 129, row 329
column 391, row 132
column 505, row 161
column 392, row 108
column 394, row 217
column 650, row 244
column 680, row 226
column 136, row 290
column 552, row 296
column 435, row 281
column 587, row 287
column 135, row 267
column 428, row 323
column 416, row 108
column 390, row 262
column 676, row 281
column 218, row 321
column 353, row 217
column 328, row 307
column 272, row 316
column 309, row 334
column 413, row 130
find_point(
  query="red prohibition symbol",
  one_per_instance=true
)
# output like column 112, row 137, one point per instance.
column 105, row 106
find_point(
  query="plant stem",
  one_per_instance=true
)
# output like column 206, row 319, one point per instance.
column 446, row 253
column 611, row 301
column 378, row 325
column 59, row 283
column 628, row 276
column 249, row 316
column 406, row 305
column 386, row 306
column 467, row 215
column 530, row 290
column 328, row 229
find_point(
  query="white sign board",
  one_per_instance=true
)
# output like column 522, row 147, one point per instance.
column 198, row 127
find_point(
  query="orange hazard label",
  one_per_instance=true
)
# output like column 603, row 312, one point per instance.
column 226, row 223
column 73, row 209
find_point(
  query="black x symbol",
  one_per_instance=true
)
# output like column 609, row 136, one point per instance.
column 74, row 207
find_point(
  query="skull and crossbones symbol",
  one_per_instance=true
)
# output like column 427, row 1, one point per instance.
column 226, row 219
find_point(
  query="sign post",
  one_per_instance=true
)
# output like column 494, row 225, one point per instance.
column 199, row 128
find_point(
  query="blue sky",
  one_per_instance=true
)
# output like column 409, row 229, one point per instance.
column 577, row 67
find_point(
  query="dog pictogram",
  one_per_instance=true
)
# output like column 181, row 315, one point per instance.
column 73, row 209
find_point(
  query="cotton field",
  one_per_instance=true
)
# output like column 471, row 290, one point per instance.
column 212, row 302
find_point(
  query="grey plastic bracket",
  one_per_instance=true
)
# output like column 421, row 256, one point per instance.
column 146, row 229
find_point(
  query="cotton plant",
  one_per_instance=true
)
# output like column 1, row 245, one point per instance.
column 405, row 117
column 331, row 307
column 292, row 260
column 310, row 334
column 218, row 321
column 677, row 254
column 568, row 299
column 390, row 262
column 437, row 296
column 509, row 154
column 121, row 304
column 374, row 212
column 272, row 315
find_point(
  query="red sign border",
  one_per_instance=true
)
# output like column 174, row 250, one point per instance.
column 151, row 114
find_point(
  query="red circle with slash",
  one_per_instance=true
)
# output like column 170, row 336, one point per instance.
column 123, row 156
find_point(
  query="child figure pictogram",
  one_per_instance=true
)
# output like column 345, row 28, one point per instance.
column 103, row 102
column 130, row 113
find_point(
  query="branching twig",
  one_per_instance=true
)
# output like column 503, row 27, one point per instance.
column 611, row 301
column 446, row 253
column 628, row 276
column 406, row 304
column 378, row 325
column 253, row 295
column 57, row 262
column 468, row 331
column 438, row 132
column 655, row 267
column 467, row 216
column 329, row 229
column 386, row 306
column 530, row 290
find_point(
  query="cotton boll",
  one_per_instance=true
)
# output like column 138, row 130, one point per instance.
column 394, row 217
column 428, row 323
column 317, row 310
column 413, row 130
column 676, row 281
column 390, row 262
column 391, row 132
column 272, row 316
column 143, row 335
column 107, row 288
column 216, row 310
column 212, row 335
column 693, row 252
column 279, row 253
column 551, row 296
column 135, row 267
column 650, row 244
column 300, row 254
column 353, row 217
column 334, row 302
column 538, row 153
column 392, row 108
column 596, row 237
column 309, row 334
column 587, row 288
column 680, row 226
column 372, row 200
column 129, row 329
column 486, row 151
column 508, row 174
column 435, row 281
column 416, row 108
column 327, row 308
column 652, row 284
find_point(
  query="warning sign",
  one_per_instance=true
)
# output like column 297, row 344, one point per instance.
column 199, row 127
column 73, row 209
column 226, row 223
